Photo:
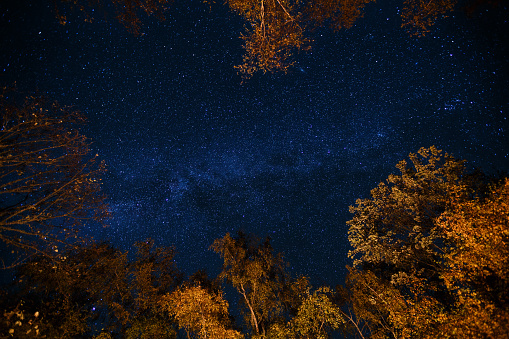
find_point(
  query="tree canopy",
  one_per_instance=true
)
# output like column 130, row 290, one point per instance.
column 277, row 29
column 430, row 250
column 430, row 256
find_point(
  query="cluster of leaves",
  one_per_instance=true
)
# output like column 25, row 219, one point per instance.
column 49, row 182
column 419, row 15
column 200, row 311
column 273, row 33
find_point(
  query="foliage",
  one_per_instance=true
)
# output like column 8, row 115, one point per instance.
column 476, row 265
column 152, row 327
column 337, row 13
column 273, row 34
column 316, row 316
column 385, row 311
column 201, row 312
column 49, row 182
column 430, row 250
column 419, row 15
column 97, row 284
column 395, row 228
column 274, row 29
column 277, row 29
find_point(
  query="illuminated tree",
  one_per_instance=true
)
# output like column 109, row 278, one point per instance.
column 49, row 182
column 395, row 229
column 316, row 317
column 430, row 253
column 266, row 289
column 274, row 33
column 476, row 265
column 201, row 312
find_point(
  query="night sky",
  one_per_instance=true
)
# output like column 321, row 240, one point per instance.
column 192, row 153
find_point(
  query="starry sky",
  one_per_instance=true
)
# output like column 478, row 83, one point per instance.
column 192, row 153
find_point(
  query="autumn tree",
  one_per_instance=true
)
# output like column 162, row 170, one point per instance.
column 395, row 229
column 273, row 34
column 316, row 317
column 416, row 240
column 200, row 311
column 267, row 292
column 49, row 181
column 476, row 265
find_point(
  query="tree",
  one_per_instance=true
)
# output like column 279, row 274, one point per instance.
column 316, row 317
column 430, row 249
column 267, row 291
column 274, row 32
column 49, row 181
column 394, row 230
column 476, row 265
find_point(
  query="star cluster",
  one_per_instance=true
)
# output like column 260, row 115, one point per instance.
column 192, row 153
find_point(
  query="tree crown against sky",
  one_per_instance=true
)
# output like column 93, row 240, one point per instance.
column 422, row 265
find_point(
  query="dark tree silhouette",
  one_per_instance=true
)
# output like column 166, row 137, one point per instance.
column 49, row 181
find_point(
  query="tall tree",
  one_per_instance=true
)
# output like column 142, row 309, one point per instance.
column 49, row 181
column 267, row 291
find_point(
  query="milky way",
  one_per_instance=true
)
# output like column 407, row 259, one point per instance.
column 192, row 153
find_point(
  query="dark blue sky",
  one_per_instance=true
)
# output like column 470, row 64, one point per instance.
column 193, row 153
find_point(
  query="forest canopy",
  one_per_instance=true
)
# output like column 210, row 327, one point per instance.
column 430, row 251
